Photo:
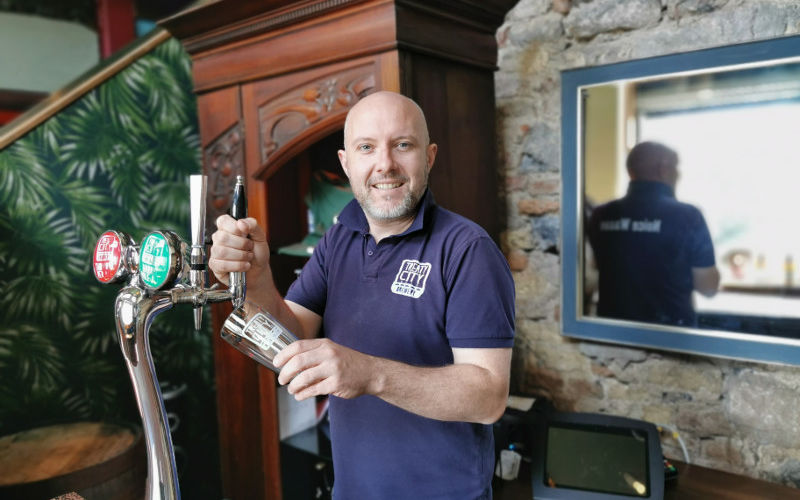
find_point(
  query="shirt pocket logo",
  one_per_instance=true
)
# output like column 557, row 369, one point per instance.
column 411, row 278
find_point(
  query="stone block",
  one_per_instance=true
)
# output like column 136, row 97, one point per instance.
column 680, row 8
column 675, row 397
column 586, row 20
column 541, row 331
column 546, row 232
column 771, row 20
column 541, row 149
column 574, row 390
column 702, row 420
column 540, row 380
column 547, row 28
column 527, row 9
column 538, row 206
column 766, row 409
column 562, row 6
column 546, row 184
column 615, row 390
column 535, row 300
column 506, row 83
column 702, row 380
column 521, row 239
column 517, row 260
column 516, row 183
column 602, row 370
column 723, row 450
column 563, row 358
column 605, row 353
column 657, row 414
column 590, row 405
column 789, row 473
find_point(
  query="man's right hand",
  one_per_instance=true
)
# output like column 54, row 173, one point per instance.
column 232, row 251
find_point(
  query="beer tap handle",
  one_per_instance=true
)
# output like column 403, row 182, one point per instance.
column 238, row 285
column 197, row 272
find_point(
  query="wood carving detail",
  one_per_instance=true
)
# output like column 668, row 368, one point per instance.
column 291, row 114
column 223, row 160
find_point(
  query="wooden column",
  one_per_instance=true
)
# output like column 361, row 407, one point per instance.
column 115, row 25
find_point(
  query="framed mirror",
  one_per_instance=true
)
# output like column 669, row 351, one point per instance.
column 709, row 194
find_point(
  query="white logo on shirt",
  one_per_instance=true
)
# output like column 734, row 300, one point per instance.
column 637, row 226
column 411, row 278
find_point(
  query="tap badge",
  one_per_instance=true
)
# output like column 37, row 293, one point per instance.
column 107, row 257
column 154, row 260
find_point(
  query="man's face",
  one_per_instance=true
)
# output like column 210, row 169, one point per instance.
column 387, row 156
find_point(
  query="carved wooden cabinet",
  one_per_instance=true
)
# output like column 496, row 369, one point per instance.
column 274, row 80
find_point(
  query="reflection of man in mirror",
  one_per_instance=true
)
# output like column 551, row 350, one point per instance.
column 651, row 250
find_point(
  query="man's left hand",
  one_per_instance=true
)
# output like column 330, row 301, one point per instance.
column 320, row 366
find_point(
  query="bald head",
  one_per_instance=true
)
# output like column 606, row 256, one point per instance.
column 390, row 104
column 652, row 161
column 387, row 157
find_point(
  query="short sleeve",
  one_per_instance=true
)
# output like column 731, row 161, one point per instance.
column 310, row 289
column 480, row 302
column 702, row 246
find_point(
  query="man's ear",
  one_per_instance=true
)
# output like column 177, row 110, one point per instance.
column 343, row 161
column 430, row 154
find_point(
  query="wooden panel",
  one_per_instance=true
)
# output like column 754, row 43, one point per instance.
column 369, row 28
column 389, row 63
column 314, row 102
column 458, row 102
column 217, row 112
column 420, row 28
column 239, row 418
column 223, row 161
column 694, row 482
column 248, row 436
column 224, row 22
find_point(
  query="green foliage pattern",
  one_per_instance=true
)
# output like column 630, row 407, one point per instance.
column 117, row 158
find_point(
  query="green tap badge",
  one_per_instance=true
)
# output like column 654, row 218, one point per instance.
column 154, row 260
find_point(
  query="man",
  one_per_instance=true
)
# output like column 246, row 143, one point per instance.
column 417, row 307
column 651, row 250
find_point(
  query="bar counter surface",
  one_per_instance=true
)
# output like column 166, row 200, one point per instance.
column 694, row 482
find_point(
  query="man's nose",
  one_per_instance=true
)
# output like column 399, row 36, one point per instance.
column 385, row 161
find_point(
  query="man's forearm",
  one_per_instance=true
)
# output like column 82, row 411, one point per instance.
column 457, row 392
column 472, row 389
column 270, row 300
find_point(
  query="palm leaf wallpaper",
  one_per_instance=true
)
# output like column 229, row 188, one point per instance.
column 118, row 158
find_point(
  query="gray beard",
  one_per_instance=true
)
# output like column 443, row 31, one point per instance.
column 405, row 208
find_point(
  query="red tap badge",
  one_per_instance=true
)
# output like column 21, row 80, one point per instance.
column 107, row 257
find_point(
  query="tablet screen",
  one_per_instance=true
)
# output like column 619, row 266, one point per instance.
column 597, row 458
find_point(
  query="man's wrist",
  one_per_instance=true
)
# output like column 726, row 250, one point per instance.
column 378, row 375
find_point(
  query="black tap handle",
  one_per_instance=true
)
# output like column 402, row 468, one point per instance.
column 238, row 285
column 239, row 204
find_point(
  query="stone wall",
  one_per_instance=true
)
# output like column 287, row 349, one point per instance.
column 737, row 416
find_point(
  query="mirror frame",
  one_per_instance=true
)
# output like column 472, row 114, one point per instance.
column 734, row 345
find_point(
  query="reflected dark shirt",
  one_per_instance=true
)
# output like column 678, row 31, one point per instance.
column 645, row 246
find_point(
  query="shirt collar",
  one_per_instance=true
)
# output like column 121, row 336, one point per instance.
column 650, row 189
column 352, row 215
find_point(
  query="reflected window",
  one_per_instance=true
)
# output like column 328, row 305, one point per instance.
column 736, row 136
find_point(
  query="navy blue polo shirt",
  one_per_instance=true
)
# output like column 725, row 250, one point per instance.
column 441, row 284
column 646, row 245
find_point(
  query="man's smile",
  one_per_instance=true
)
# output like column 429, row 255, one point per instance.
column 387, row 185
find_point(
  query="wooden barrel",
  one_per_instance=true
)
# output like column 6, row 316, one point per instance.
column 95, row 460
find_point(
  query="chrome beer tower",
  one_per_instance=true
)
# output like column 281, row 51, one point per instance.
column 154, row 276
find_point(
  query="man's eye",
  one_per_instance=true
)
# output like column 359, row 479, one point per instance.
column 403, row 145
column 365, row 148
